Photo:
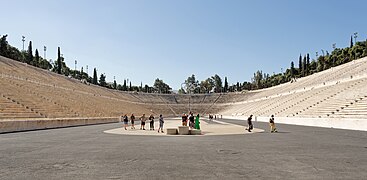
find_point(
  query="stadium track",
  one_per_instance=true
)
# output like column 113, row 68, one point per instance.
column 295, row 152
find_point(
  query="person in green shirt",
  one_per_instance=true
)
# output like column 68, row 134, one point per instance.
column 197, row 122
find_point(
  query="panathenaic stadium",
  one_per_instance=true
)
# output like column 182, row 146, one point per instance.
column 55, row 127
column 32, row 98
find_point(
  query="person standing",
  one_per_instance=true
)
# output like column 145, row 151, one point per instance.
column 126, row 121
column 132, row 119
column 151, row 122
column 161, row 122
column 249, row 122
column 191, row 121
column 272, row 124
column 184, row 119
column 197, row 122
column 142, row 119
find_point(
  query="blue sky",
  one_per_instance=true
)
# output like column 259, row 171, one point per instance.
column 172, row 39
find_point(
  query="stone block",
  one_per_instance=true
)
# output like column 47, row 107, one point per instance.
column 171, row 131
column 183, row 130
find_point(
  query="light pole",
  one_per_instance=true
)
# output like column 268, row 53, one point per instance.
column 355, row 37
column 355, row 43
column 75, row 69
column 23, row 39
column 44, row 52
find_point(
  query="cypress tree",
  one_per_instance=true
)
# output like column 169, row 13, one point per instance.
column 300, row 65
column 225, row 84
column 30, row 53
column 304, row 66
column 95, row 76
column 59, row 64
column 124, row 86
column 130, row 88
column 292, row 69
column 308, row 65
column 36, row 59
column 114, row 84
column 81, row 73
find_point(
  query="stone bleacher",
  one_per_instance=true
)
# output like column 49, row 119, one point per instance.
column 29, row 92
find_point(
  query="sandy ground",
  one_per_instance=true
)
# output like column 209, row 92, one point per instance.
column 214, row 127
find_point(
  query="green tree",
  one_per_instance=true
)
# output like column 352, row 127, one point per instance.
column 36, row 60
column 114, row 84
column 59, row 62
column 191, row 84
column 225, row 84
column 124, row 86
column 207, row 85
column 161, row 87
column 308, row 64
column 300, row 72
column 4, row 46
column 95, row 76
column 102, row 80
column 293, row 71
column 218, row 85
column 30, row 54
column 257, row 79
column 304, row 67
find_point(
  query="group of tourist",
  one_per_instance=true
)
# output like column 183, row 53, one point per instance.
column 143, row 120
column 194, row 123
column 211, row 116
column 271, row 124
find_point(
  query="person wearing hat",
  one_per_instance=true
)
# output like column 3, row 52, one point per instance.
column 272, row 124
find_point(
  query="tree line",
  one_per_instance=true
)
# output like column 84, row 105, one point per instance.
column 59, row 66
column 215, row 84
column 260, row 80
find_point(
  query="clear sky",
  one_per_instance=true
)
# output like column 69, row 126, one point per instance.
column 172, row 39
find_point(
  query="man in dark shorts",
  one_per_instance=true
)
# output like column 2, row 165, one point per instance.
column 132, row 118
column 143, row 119
column 151, row 122
column 249, row 122
column 126, row 121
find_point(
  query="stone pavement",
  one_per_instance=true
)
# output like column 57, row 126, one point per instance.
column 86, row 152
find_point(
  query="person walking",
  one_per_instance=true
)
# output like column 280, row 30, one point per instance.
column 197, row 122
column 132, row 119
column 126, row 121
column 249, row 122
column 161, row 122
column 151, row 122
column 142, row 119
column 272, row 124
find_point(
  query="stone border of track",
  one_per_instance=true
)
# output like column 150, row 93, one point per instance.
column 212, row 128
column 8, row 126
column 338, row 123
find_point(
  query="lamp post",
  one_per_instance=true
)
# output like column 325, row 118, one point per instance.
column 44, row 52
column 23, row 39
column 355, row 43
column 75, row 69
